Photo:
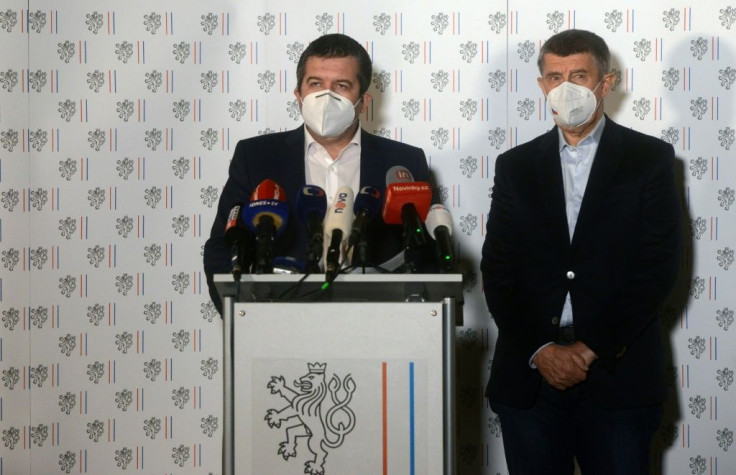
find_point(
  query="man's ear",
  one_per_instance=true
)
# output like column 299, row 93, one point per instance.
column 608, row 80
column 367, row 99
column 540, row 83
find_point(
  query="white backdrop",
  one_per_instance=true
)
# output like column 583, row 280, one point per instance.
column 117, row 122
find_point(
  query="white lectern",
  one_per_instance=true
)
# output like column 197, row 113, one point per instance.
column 355, row 377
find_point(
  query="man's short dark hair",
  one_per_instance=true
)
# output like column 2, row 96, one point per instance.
column 336, row 45
column 571, row 42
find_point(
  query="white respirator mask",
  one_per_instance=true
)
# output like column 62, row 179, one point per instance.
column 572, row 105
column 327, row 113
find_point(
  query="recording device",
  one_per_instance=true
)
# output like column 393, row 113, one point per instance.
column 311, row 206
column 439, row 226
column 367, row 205
column 337, row 228
column 266, row 215
column 407, row 203
column 239, row 240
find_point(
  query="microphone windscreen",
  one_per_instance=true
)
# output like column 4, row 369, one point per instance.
column 268, row 199
column 438, row 216
column 268, row 190
column 311, row 200
column 368, row 200
column 340, row 213
column 398, row 174
column 256, row 210
column 418, row 193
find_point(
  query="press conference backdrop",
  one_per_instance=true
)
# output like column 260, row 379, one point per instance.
column 117, row 124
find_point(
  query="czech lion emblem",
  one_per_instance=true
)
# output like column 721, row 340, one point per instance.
column 305, row 415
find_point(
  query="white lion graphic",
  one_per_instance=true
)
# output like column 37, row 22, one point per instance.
column 307, row 417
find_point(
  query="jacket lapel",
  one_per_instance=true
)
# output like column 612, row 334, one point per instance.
column 291, row 170
column 551, row 192
column 372, row 169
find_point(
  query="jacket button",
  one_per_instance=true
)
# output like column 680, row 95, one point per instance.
column 555, row 321
column 570, row 275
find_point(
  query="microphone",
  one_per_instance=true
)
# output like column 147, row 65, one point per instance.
column 266, row 215
column 367, row 205
column 439, row 226
column 311, row 206
column 238, row 239
column 407, row 202
column 337, row 227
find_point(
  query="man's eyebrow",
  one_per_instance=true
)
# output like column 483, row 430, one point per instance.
column 559, row 73
column 317, row 78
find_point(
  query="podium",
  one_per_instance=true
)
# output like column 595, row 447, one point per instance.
column 351, row 378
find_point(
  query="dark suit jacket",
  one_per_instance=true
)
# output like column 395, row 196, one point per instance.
column 280, row 157
column 618, row 269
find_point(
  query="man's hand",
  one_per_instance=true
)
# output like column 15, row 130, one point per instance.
column 564, row 366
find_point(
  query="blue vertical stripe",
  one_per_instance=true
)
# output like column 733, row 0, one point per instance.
column 412, row 441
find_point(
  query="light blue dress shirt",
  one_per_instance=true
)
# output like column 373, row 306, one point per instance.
column 576, row 164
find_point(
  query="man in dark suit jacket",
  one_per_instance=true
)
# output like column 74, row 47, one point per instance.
column 582, row 246
column 334, row 68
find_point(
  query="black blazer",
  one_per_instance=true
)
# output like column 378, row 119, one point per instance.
column 280, row 157
column 618, row 269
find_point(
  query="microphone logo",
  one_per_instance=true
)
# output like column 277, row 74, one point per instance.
column 371, row 191
column 313, row 191
column 401, row 174
column 341, row 203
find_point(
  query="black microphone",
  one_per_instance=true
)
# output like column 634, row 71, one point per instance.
column 238, row 240
column 439, row 226
column 337, row 228
column 311, row 207
column 367, row 205
column 266, row 215
column 407, row 203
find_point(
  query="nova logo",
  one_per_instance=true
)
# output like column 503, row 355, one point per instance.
column 341, row 204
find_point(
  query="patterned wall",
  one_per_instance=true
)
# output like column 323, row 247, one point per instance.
column 117, row 122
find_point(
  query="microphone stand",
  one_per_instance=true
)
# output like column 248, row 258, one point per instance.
column 414, row 237
column 314, row 250
column 264, row 246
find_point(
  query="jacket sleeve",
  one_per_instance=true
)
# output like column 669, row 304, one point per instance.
column 653, row 266
column 501, row 263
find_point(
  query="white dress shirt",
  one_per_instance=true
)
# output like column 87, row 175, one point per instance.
column 328, row 173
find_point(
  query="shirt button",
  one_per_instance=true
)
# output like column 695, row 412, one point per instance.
column 570, row 275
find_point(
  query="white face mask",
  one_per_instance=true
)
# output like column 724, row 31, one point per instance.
column 328, row 114
column 572, row 105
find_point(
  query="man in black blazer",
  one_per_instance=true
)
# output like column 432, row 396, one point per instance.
column 582, row 246
column 330, row 150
